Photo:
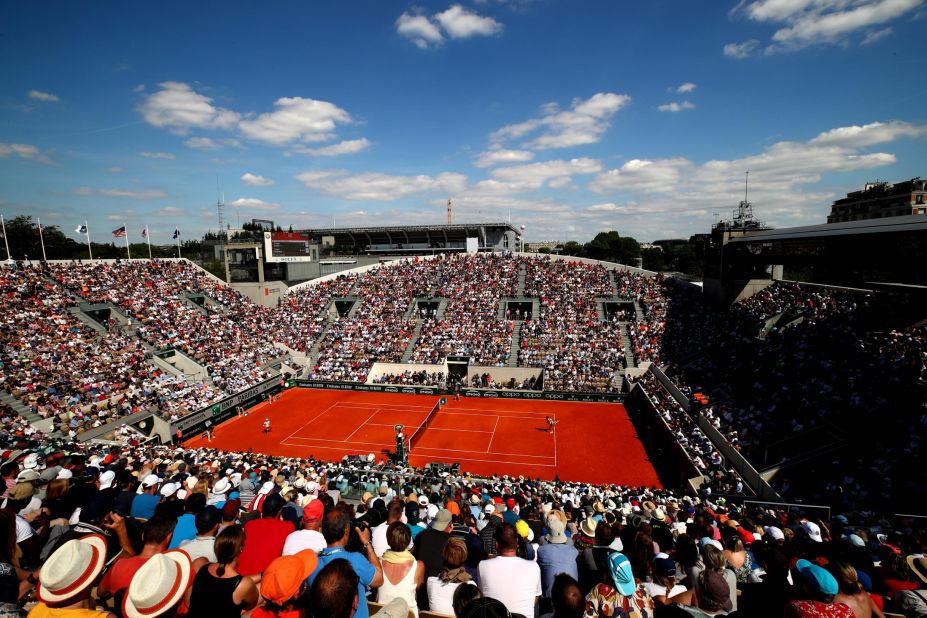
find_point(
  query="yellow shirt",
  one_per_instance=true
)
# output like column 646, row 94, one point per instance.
column 43, row 611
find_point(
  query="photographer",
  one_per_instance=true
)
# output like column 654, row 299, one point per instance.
column 336, row 528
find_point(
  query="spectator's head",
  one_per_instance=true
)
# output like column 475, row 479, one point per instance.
column 713, row 592
column 272, row 505
column 443, row 521
column 195, row 503
column 71, row 571
column 485, row 607
column 622, row 574
column 207, row 521
column 158, row 532
column 412, row 513
column 454, row 554
column 846, row 576
column 282, row 581
column 816, row 581
column 394, row 511
column 567, row 597
column 463, row 595
column 398, row 536
column 158, row 586
column 228, row 546
column 336, row 525
column 334, row 591
column 230, row 509
column 604, row 534
column 506, row 539
column 312, row 515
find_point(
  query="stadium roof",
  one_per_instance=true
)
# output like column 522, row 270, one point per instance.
column 888, row 225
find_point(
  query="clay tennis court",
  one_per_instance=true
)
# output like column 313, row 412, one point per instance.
column 592, row 442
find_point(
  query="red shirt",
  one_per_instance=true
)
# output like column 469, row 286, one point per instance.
column 264, row 539
column 817, row 609
column 119, row 577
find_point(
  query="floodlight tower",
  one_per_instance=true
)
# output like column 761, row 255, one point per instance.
column 450, row 219
column 220, row 207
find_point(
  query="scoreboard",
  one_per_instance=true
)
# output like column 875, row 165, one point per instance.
column 287, row 247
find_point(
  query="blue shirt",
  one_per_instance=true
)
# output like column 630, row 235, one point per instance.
column 556, row 558
column 143, row 505
column 365, row 571
column 184, row 530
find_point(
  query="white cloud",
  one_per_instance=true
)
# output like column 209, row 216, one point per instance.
column 459, row 23
column 533, row 176
column 144, row 194
column 38, row 95
column 686, row 87
column 296, row 118
column 253, row 203
column 178, row 108
column 158, row 155
column 114, row 169
column 584, row 123
column 870, row 134
column 876, row 35
column 202, row 143
column 741, row 50
column 807, row 22
column 676, row 107
column 256, row 181
column 497, row 154
column 378, row 186
column 23, row 151
column 350, row 146
column 419, row 29
column 170, row 211
column 642, row 175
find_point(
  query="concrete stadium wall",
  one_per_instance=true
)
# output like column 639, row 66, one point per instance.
column 380, row 369
column 265, row 294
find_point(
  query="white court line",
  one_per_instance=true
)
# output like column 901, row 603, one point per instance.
column 330, row 440
column 493, row 436
column 348, row 439
column 504, row 461
column 433, row 428
column 312, row 420
column 450, row 450
column 361, row 404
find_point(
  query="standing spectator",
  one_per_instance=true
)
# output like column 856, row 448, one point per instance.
column 264, row 537
column 336, row 527
column 557, row 556
column 403, row 575
column 513, row 580
column 442, row 587
column 219, row 590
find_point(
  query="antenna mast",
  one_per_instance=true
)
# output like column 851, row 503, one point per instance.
column 220, row 206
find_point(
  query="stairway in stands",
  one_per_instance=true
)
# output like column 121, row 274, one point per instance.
column 19, row 407
column 626, row 344
column 522, row 274
column 614, row 280
column 638, row 312
column 413, row 341
column 516, row 344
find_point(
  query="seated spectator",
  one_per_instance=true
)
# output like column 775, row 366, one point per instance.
column 282, row 585
column 851, row 591
column 264, row 537
column 442, row 587
column 513, row 580
column 310, row 535
column 67, row 580
column 817, row 588
column 207, row 527
column 567, row 597
column 159, row 586
column 335, row 594
column 557, row 556
column 156, row 537
column 336, row 527
column 621, row 596
column 403, row 575
column 219, row 590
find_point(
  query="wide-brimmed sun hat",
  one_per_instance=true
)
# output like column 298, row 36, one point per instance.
column 71, row 569
column 158, row 585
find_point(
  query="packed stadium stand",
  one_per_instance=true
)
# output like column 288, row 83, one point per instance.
column 800, row 412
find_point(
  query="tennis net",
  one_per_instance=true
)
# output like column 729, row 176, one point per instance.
column 417, row 434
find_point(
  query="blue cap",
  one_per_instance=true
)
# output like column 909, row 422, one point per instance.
column 620, row 568
column 864, row 579
column 817, row 577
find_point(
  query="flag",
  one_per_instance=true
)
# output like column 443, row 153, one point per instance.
column 81, row 229
column 120, row 233
column 145, row 232
column 176, row 233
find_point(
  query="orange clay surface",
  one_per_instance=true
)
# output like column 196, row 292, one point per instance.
column 592, row 442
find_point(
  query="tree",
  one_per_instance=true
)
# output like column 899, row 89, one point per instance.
column 22, row 234
column 573, row 248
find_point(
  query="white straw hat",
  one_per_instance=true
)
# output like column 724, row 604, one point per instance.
column 158, row 585
column 71, row 569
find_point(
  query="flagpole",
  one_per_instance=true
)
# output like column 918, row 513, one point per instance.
column 148, row 238
column 6, row 243
column 178, row 246
column 89, row 248
column 41, row 239
column 128, row 251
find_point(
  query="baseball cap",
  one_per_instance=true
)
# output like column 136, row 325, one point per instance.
column 817, row 577
column 151, row 480
column 230, row 508
column 812, row 530
column 442, row 520
column 107, row 479
column 313, row 511
column 283, row 577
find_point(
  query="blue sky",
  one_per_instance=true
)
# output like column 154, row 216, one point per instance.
column 569, row 117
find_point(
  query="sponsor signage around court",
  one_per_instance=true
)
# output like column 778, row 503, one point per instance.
column 223, row 409
column 470, row 392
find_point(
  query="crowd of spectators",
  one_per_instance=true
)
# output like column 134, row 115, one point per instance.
column 161, row 530
column 412, row 378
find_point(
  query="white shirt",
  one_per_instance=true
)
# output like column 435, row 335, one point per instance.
column 378, row 539
column 441, row 595
column 200, row 547
column 514, row 581
column 23, row 529
column 303, row 539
